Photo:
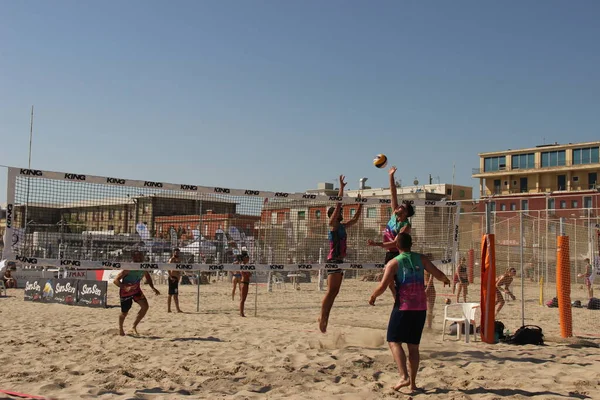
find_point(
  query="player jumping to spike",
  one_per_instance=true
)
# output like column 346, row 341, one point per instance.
column 337, row 252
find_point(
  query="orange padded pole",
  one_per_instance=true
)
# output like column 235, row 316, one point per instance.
column 563, row 286
column 488, row 289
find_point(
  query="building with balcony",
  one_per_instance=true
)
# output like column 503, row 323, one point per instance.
column 551, row 176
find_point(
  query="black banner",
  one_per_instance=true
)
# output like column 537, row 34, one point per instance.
column 33, row 290
column 91, row 293
column 65, row 291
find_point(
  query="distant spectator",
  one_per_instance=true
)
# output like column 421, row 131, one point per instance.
column 9, row 281
column 587, row 276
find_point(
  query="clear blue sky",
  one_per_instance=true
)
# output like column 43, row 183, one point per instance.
column 280, row 95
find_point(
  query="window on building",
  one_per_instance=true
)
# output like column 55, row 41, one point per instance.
column 551, row 204
column 587, row 202
column 494, row 164
column 563, row 204
column 273, row 218
column 301, row 215
column 462, row 194
column 592, row 180
column 111, row 227
column 449, row 192
column 146, row 208
column 502, row 207
column 497, row 186
column 371, row 212
column 524, row 187
column 523, row 161
column 388, row 212
column 513, row 206
column 587, row 155
column 553, row 158
column 111, row 214
column 318, row 214
column 352, row 212
column 574, row 204
column 493, row 206
column 524, row 205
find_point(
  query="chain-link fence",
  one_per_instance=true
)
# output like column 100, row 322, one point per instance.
column 527, row 241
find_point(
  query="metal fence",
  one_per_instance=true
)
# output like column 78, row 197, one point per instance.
column 526, row 241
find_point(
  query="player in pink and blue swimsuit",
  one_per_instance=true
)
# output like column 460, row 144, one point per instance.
column 337, row 251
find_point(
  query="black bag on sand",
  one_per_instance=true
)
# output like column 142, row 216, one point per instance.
column 499, row 330
column 528, row 334
column 593, row 304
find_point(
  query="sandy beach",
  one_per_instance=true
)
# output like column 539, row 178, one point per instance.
column 67, row 352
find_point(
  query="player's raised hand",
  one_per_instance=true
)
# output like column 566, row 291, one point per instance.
column 393, row 170
column 342, row 183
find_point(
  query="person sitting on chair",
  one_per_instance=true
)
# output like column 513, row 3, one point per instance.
column 9, row 281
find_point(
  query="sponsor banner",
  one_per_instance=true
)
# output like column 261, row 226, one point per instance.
column 33, row 289
column 90, row 274
column 65, row 291
column 91, row 293
column 110, row 275
column 48, row 290
column 77, row 177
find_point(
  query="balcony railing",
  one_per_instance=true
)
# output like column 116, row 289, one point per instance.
column 476, row 171
column 542, row 190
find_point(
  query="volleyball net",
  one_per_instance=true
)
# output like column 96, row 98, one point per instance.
column 83, row 221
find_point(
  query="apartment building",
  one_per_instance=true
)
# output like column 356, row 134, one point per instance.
column 549, row 176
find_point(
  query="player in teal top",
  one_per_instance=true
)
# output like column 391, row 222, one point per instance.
column 130, row 290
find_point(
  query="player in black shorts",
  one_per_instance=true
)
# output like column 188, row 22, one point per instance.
column 463, row 280
column 174, row 277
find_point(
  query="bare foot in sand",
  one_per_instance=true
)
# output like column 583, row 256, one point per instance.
column 242, row 315
column 179, row 311
column 323, row 321
column 135, row 332
column 121, row 332
column 415, row 390
column 402, row 383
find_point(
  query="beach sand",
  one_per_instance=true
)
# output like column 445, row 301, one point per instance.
column 68, row 352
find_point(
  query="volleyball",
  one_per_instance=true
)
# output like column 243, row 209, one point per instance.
column 380, row 161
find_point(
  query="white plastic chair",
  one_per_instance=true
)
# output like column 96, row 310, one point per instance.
column 2, row 288
column 467, row 314
column 277, row 280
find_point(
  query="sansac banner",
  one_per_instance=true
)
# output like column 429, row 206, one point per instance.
column 65, row 291
column 33, row 290
column 92, row 293
column 79, row 292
